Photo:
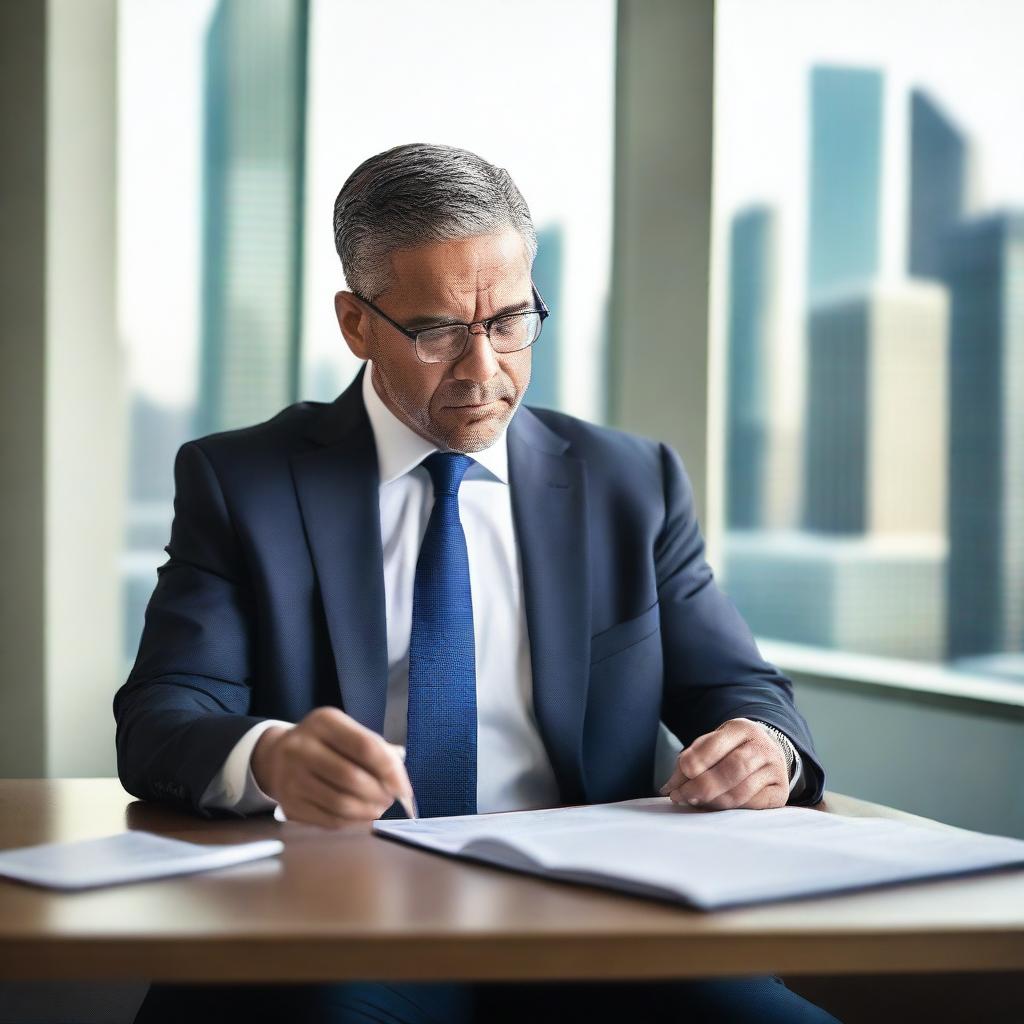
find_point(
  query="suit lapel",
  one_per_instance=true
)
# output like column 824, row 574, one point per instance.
column 549, row 508
column 337, row 486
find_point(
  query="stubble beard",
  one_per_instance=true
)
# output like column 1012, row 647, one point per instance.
column 466, row 438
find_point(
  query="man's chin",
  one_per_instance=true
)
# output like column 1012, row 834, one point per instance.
column 472, row 429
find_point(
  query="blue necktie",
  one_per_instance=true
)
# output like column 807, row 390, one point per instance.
column 441, row 743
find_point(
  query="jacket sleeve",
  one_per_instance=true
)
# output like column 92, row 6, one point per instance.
column 713, row 669
column 234, row 787
column 185, row 703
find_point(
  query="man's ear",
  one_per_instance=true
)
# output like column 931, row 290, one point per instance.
column 354, row 322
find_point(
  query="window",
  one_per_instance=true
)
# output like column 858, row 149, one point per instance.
column 868, row 299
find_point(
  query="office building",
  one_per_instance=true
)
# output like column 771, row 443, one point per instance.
column 875, row 436
column 545, row 387
column 984, row 270
column 845, row 177
column 253, row 170
column 864, row 594
column 748, row 404
column 936, row 183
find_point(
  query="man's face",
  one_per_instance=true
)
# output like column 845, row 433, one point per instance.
column 461, row 405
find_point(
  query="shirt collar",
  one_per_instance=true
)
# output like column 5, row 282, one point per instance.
column 400, row 449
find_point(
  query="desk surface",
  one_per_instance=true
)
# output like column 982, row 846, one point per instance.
column 347, row 904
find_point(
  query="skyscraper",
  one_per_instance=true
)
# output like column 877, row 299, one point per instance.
column 253, row 169
column 877, row 421
column 936, row 180
column 845, row 177
column 984, row 268
column 748, row 366
column 544, row 389
column 869, row 572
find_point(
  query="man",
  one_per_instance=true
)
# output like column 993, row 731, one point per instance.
column 516, row 597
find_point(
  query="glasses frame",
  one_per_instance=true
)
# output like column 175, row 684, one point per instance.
column 413, row 336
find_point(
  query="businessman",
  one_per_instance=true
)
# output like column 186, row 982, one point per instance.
column 514, row 596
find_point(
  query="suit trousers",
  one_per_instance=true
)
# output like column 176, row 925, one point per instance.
column 763, row 999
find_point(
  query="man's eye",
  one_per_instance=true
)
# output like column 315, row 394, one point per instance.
column 507, row 326
column 440, row 337
column 441, row 333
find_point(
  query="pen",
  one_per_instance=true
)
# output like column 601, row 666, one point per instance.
column 408, row 804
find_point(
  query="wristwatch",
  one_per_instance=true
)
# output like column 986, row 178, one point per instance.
column 787, row 747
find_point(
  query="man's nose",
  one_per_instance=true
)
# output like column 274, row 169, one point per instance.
column 478, row 362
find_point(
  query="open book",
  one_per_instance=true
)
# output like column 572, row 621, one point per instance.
column 708, row 859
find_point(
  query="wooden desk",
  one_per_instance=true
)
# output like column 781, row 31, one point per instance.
column 346, row 904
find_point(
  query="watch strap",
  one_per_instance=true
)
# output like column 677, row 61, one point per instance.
column 788, row 750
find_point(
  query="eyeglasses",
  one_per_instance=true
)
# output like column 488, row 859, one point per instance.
column 443, row 343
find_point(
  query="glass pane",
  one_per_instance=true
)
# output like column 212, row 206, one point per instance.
column 211, row 145
column 868, row 296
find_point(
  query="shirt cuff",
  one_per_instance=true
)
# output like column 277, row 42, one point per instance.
column 796, row 778
column 234, row 787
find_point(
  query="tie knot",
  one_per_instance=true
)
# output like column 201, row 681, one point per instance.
column 447, row 469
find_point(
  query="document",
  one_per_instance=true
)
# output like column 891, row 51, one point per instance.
column 125, row 857
column 708, row 859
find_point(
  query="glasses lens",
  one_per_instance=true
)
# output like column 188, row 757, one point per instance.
column 515, row 331
column 440, row 343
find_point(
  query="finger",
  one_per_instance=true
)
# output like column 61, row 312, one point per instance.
column 353, row 740
column 774, row 795
column 745, row 791
column 341, row 773
column 330, row 812
column 677, row 778
column 705, row 752
column 688, row 765
column 329, row 796
column 737, row 765
column 304, row 812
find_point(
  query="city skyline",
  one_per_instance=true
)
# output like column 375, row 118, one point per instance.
column 910, row 432
column 761, row 157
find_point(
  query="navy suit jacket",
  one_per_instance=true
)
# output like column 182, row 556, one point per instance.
column 272, row 603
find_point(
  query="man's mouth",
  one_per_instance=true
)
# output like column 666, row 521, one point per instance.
column 475, row 405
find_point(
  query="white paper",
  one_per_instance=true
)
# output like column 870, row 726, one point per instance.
column 709, row 859
column 125, row 857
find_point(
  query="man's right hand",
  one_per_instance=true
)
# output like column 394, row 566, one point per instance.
column 329, row 769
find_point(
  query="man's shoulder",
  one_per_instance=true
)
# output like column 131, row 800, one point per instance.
column 273, row 438
column 596, row 441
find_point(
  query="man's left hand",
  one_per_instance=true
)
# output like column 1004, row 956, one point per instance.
column 737, row 765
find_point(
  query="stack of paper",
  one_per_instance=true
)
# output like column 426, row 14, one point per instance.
column 708, row 859
column 126, row 857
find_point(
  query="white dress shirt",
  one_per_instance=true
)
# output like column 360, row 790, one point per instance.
column 513, row 768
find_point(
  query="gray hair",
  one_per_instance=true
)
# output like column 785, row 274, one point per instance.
column 418, row 193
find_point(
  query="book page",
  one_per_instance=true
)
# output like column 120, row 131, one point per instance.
column 710, row 858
